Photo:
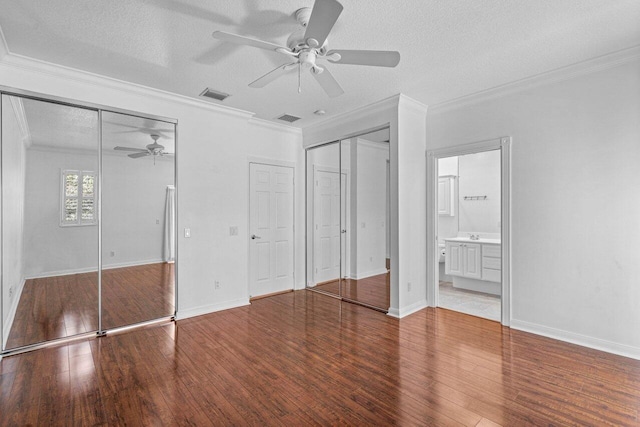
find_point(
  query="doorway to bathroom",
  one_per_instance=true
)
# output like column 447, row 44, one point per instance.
column 468, row 269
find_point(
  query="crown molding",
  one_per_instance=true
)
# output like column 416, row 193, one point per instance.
column 569, row 72
column 353, row 115
column 48, row 70
column 275, row 126
column 412, row 104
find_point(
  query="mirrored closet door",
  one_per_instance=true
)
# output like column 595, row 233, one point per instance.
column 138, row 219
column 355, row 217
column 88, row 220
column 49, row 221
column 325, row 218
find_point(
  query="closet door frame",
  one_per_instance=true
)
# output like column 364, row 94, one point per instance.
column 99, row 108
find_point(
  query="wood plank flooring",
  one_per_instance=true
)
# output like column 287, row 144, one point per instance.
column 63, row 306
column 374, row 290
column 303, row 358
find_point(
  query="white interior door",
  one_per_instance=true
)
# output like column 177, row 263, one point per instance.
column 271, row 263
column 327, row 225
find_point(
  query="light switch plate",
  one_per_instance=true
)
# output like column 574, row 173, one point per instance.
column 187, row 233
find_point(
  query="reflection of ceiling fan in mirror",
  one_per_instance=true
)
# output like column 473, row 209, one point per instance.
column 309, row 44
column 154, row 149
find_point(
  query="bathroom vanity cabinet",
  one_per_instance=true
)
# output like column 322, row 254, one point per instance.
column 463, row 259
column 474, row 264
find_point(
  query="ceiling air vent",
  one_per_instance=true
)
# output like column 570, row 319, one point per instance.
column 288, row 118
column 214, row 94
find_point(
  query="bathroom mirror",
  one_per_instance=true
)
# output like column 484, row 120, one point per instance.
column 138, row 219
column 49, row 221
column 479, row 192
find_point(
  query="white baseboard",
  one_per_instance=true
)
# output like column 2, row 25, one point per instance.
column 369, row 274
column 133, row 264
column 94, row 269
column 573, row 338
column 211, row 308
column 405, row 311
column 6, row 328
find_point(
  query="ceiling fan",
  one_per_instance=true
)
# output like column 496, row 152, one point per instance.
column 154, row 149
column 309, row 44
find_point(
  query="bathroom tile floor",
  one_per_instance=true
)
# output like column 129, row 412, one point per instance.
column 469, row 302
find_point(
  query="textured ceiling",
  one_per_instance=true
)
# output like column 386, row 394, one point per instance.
column 448, row 48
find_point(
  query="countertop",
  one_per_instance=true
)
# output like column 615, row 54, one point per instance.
column 468, row 240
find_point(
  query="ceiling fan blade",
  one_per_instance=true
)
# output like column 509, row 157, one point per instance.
column 324, row 15
column 272, row 75
column 328, row 83
column 129, row 149
column 167, row 154
column 376, row 58
column 248, row 41
column 136, row 155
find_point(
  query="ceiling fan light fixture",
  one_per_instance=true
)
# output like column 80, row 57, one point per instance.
column 214, row 94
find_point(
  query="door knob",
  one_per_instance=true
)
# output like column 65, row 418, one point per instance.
column 254, row 237
column 343, row 231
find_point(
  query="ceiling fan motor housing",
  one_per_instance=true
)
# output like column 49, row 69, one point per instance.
column 296, row 41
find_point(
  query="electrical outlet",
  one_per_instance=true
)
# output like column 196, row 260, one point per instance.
column 187, row 233
column 112, row 253
column 216, row 284
column 233, row 230
column 408, row 286
column 370, row 259
column 11, row 292
column 157, row 221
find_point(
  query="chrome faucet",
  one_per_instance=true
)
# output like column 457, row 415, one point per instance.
column 474, row 236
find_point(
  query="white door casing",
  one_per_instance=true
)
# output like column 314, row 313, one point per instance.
column 504, row 145
column 271, row 214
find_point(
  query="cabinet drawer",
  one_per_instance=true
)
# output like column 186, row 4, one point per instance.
column 491, row 250
column 491, row 275
column 492, row 263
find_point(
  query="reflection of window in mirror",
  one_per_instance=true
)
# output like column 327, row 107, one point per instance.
column 78, row 198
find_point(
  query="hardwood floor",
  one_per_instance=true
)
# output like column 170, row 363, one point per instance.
column 373, row 291
column 303, row 358
column 62, row 306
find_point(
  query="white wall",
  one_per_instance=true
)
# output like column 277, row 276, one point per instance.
column 479, row 175
column 412, row 206
column 575, row 200
column 214, row 146
column 13, row 176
